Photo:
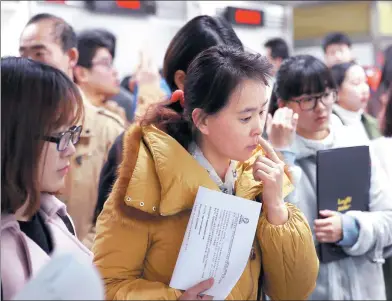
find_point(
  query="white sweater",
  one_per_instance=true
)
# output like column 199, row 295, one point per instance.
column 352, row 119
column 382, row 148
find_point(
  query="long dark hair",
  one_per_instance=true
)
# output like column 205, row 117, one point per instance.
column 36, row 100
column 302, row 74
column 211, row 78
column 386, row 75
column 388, row 115
column 195, row 36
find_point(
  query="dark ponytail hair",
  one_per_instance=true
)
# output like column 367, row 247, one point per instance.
column 211, row 79
column 197, row 35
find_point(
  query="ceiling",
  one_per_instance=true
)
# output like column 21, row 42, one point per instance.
column 295, row 3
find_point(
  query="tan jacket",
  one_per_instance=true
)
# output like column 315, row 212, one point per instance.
column 100, row 129
column 142, row 225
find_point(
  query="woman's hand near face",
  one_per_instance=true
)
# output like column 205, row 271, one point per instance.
column 281, row 127
column 270, row 171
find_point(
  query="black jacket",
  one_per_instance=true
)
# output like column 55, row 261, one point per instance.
column 109, row 174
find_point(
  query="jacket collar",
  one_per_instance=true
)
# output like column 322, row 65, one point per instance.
column 226, row 186
column 50, row 206
column 160, row 177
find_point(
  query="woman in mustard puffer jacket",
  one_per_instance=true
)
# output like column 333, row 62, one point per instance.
column 210, row 137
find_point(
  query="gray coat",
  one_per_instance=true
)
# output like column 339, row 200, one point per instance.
column 359, row 276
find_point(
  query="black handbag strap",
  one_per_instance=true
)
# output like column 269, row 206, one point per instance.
column 68, row 224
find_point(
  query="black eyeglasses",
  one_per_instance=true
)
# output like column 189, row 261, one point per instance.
column 63, row 139
column 310, row 102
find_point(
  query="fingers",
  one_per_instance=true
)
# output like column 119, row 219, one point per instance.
column 294, row 121
column 327, row 213
column 288, row 115
column 278, row 116
column 269, row 150
column 261, row 175
column 322, row 222
column 326, row 237
column 322, row 237
column 285, row 117
column 263, row 167
column 269, row 123
column 201, row 287
column 265, row 160
column 323, row 228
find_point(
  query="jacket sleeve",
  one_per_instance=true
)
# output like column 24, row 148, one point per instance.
column 289, row 256
column 120, row 249
column 375, row 227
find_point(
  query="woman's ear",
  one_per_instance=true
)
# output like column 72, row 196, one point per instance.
column 200, row 121
column 179, row 79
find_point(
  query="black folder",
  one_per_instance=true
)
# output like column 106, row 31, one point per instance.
column 343, row 183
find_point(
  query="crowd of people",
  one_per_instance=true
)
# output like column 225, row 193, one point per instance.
column 108, row 171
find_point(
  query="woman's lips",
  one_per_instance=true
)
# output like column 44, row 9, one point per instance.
column 321, row 119
column 64, row 170
column 252, row 147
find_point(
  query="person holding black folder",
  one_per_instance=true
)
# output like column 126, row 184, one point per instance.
column 357, row 227
column 383, row 149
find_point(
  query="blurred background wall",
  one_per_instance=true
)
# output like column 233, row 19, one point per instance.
column 301, row 23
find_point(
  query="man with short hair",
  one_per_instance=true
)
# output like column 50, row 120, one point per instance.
column 277, row 51
column 51, row 40
column 95, row 45
column 337, row 49
column 95, row 73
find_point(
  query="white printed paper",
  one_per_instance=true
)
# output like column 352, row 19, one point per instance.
column 64, row 277
column 217, row 242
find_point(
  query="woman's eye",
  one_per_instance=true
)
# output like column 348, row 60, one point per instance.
column 261, row 113
column 244, row 120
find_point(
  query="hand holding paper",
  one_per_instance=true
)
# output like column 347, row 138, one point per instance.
column 196, row 292
column 217, row 242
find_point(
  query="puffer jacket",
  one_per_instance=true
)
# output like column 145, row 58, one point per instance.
column 142, row 225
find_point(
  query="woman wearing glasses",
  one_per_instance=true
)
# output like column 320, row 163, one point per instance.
column 39, row 110
column 305, row 85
